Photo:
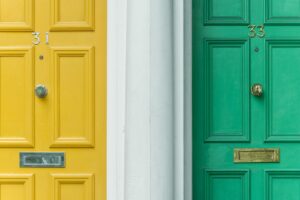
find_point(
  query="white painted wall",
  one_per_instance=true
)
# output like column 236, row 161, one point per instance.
column 147, row 101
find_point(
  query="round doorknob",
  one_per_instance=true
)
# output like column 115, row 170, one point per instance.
column 41, row 91
column 257, row 89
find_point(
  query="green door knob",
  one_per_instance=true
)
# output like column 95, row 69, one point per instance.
column 41, row 91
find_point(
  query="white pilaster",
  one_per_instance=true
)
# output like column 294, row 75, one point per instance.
column 138, row 115
column 147, row 101
column 162, row 100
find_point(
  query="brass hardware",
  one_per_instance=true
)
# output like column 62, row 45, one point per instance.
column 270, row 155
column 41, row 91
column 262, row 32
column 257, row 90
column 252, row 33
column 47, row 37
column 36, row 40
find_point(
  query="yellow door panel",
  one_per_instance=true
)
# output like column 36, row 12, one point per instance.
column 73, row 94
column 16, row 99
column 73, row 186
column 16, row 15
column 71, row 64
column 79, row 16
column 16, row 186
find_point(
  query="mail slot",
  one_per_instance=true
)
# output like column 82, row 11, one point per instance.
column 42, row 159
column 256, row 155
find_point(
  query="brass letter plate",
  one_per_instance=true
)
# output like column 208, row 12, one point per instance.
column 257, row 155
column 42, row 159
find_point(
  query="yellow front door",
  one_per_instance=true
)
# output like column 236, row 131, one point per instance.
column 59, row 45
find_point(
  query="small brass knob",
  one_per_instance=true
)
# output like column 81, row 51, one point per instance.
column 257, row 90
column 41, row 91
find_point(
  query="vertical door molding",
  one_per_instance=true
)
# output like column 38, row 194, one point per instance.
column 183, row 99
column 179, row 100
column 116, row 97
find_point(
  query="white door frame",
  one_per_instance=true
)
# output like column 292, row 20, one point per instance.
column 116, row 99
column 183, row 98
column 116, row 96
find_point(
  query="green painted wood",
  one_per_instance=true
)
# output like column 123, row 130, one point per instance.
column 226, row 86
column 227, row 116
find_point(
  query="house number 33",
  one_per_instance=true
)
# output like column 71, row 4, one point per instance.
column 253, row 31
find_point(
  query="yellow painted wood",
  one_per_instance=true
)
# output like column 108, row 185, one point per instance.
column 73, row 186
column 72, row 118
column 16, row 99
column 17, row 186
column 73, row 74
column 17, row 15
column 82, row 17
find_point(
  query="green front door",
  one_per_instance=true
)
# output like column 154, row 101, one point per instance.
column 237, row 44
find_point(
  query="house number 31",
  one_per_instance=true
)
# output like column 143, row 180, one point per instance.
column 253, row 31
column 37, row 40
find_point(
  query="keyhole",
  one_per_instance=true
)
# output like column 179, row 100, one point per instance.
column 41, row 57
column 256, row 49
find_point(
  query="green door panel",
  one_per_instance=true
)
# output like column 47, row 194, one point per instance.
column 234, row 185
column 226, row 104
column 218, row 12
column 226, row 62
column 284, row 12
column 282, row 75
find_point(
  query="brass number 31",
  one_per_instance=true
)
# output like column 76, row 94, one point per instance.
column 36, row 40
column 261, row 30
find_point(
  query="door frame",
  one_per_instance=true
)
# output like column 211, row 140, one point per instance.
column 116, row 98
column 183, row 98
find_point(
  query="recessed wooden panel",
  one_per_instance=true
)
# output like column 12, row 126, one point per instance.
column 73, row 77
column 282, row 11
column 282, row 185
column 227, row 185
column 231, row 12
column 16, row 97
column 73, row 186
column 71, row 15
column 226, row 90
column 17, row 187
column 283, row 95
column 16, row 15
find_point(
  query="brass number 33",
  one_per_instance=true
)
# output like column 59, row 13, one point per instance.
column 261, row 31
